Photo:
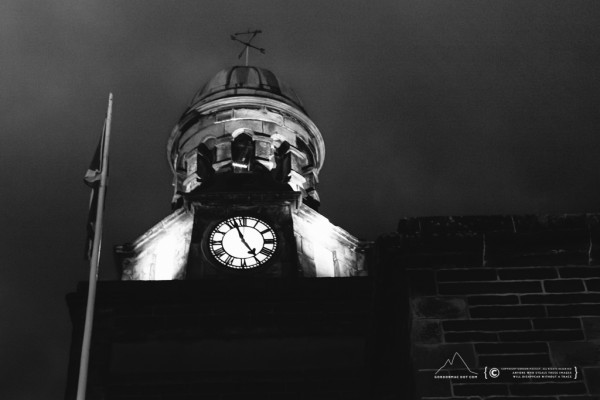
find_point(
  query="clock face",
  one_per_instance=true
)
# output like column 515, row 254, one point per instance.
column 242, row 242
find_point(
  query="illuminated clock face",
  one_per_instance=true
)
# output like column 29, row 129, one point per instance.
column 242, row 242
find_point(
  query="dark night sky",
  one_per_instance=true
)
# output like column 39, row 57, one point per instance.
column 426, row 107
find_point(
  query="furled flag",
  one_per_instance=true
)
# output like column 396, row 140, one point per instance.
column 92, row 178
column 95, row 177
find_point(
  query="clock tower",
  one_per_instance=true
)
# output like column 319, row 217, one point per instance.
column 245, row 159
column 245, row 290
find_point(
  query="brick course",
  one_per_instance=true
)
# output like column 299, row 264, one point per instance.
column 508, row 348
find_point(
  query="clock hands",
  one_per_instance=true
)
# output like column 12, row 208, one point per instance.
column 250, row 250
column 242, row 243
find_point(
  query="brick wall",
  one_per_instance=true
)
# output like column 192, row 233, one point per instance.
column 504, row 292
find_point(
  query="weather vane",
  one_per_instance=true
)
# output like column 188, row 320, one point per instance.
column 247, row 42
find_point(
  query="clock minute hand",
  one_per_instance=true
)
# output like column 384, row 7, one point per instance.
column 251, row 251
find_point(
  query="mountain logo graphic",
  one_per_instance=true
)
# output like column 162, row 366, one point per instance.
column 457, row 363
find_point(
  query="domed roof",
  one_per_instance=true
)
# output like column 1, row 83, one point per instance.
column 246, row 81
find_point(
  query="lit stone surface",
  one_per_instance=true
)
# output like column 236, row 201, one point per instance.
column 246, row 120
column 326, row 250
column 161, row 253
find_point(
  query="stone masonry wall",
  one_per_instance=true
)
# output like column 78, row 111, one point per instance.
column 501, row 292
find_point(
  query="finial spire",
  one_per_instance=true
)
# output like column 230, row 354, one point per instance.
column 247, row 42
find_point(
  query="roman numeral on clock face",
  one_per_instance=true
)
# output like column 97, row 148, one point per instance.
column 266, row 252
column 219, row 252
column 230, row 223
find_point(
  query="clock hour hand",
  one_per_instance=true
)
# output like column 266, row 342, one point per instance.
column 250, row 250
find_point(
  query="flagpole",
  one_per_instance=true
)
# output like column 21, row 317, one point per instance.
column 94, row 260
